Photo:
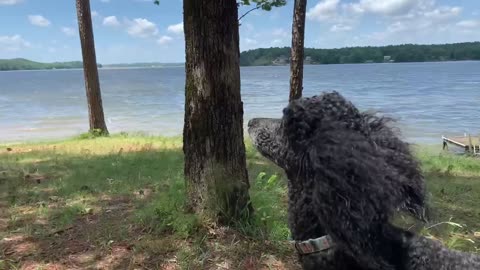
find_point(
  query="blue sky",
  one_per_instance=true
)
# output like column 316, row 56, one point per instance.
column 138, row 31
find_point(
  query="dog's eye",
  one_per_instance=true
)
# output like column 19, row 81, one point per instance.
column 263, row 136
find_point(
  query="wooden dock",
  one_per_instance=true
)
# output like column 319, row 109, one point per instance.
column 470, row 143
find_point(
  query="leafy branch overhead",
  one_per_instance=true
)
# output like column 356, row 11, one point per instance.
column 259, row 4
column 264, row 4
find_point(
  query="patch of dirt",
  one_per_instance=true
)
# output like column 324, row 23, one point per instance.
column 114, row 259
column 32, row 265
column 3, row 223
column 78, row 246
column 18, row 246
column 231, row 250
column 15, row 150
column 107, row 239
column 143, row 194
column 35, row 178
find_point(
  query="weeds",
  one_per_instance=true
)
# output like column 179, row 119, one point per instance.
column 131, row 189
column 92, row 134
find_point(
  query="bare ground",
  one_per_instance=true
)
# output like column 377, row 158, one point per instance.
column 105, row 238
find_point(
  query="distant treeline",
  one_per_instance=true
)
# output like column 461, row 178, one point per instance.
column 24, row 64
column 394, row 53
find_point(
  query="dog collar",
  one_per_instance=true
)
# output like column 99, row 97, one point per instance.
column 313, row 245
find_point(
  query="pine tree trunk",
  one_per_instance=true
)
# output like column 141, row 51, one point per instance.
column 90, row 70
column 215, row 161
column 298, row 39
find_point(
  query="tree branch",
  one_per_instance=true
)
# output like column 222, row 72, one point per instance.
column 246, row 13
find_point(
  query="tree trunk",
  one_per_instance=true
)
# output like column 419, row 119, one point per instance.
column 298, row 39
column 215, row 162
column 90, row 70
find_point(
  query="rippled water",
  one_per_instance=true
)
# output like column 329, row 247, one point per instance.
column 428, row 99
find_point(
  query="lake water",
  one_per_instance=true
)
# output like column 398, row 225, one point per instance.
column 428, row 99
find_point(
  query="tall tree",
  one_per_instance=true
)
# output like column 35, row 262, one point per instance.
column 215, row 162
column 90, row 70
column 298, row 40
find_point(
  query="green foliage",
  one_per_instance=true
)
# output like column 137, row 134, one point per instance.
column 398, row 53
column 130, row 189
column 166, row 213
column 103, row 178
column 92, row 134
column 24, row 64
column 456, row 236
column 445, row 164
column 264, row 4
column 268, row 222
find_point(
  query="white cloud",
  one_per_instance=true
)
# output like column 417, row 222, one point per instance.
column 163, row 40
column 69, row 31
column 249, row 41
column 385, row 7
column 324, row 10
column 9, row 2
column 176, row 28
column 437, row 25
column 280, row 32
column 141, row 28
column 397, row 27
column 405, row 21
column 443, row 13
column 248, row 26
column 111, row 21
column 340, row 28
column 95, row 14
column 38, row 20
column 13, row 43
column 276, row 42
column 469, row 23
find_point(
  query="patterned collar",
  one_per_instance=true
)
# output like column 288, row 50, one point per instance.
column 313, row 245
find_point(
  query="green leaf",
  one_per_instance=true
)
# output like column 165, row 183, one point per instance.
column 261, row 176
column 453, row 224
column 264, row 4
column 272, row 180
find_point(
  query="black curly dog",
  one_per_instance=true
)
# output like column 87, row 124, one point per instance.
column 348, row 173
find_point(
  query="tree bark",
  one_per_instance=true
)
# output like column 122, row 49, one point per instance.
column 215, row 162
column 90, row 70
column 298, row 39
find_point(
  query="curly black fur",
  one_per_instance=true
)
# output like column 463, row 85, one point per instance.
column 348, row 173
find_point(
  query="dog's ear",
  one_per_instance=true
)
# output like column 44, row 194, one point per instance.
column 355, row 194
column 305, row 117
column 297, row 123
column 398, row 154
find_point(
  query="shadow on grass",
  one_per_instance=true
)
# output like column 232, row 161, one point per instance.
column 85, row 204
column 117, row 203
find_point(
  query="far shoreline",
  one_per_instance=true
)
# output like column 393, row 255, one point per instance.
column 143, row 134
column 242, row 66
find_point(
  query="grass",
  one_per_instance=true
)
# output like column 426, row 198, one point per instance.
column 117, row 203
